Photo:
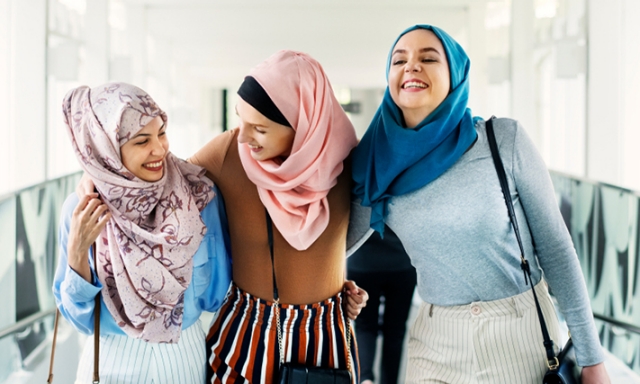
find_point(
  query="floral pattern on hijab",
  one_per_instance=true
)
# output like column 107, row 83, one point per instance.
column 144, row 253
column 295, row 191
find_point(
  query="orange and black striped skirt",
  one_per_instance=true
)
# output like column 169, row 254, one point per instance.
column 242, row 344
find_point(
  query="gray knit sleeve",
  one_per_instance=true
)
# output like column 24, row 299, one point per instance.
column 554, row 248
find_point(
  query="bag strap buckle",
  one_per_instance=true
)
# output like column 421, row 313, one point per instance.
column 553, row 364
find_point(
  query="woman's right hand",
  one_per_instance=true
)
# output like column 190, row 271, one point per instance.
column 595, row 374
column 87, row 221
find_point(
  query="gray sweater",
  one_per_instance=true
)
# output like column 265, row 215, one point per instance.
column 457, row 233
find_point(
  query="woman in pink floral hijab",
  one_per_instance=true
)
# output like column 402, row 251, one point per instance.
column 161, row 255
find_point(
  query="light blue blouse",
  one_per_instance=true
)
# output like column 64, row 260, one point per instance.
column 75, row 297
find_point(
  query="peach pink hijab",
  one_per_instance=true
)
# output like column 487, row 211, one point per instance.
column 295, row 191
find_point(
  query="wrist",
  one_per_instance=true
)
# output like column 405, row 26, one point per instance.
column 79, row 262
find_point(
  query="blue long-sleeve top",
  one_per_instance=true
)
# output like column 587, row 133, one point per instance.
column 75, row 297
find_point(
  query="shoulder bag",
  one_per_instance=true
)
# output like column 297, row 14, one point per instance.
column 562, row 369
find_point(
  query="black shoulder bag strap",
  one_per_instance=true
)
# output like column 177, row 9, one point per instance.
column 552, row 360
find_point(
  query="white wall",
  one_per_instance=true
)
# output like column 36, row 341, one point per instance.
column 558, row 95
column 630, row 42
column 583, row 124
column 522, row 64
column 5, row 97
column 613, row 92
column 26, row 93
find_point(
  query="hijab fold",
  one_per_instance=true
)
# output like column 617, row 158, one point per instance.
column 294, row 191
column 392, row 160
column 144, row 253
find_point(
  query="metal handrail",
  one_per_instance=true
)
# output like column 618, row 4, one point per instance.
column 39, row 315
column 618, row 323
column 26, row 322
column 41, row 184
column 581, row 179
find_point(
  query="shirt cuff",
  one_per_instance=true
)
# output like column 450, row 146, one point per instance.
column 78, row 289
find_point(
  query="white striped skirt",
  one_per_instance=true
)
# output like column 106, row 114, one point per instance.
column 484, row 342
column 125, row 360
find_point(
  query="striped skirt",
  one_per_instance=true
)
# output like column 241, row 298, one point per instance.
column 485, row 342
column 125, row 360
column 243, row 342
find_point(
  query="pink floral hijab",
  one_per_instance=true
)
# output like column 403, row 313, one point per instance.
column 144, row 254
column 295, row 191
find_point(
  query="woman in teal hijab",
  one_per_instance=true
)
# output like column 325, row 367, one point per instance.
column 388, row 162
column 424, row 168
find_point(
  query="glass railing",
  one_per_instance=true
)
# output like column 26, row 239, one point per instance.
column 604, row 224
column 28, row 253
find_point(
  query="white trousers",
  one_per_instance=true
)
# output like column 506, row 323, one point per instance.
column 485, row 342
column 125, row 360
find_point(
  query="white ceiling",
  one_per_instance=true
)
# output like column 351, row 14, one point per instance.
column 219, row 41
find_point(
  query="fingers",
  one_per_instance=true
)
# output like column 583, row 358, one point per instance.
column 353, row 311
column 92, row 216
column 350, row 287
column 102, row 222
column 365, row 296
column 82, row 204
column 85, row 186
column 356, row 299
column 98, row 211
column 88, row 210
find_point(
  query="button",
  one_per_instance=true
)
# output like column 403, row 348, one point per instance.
column 476, row 310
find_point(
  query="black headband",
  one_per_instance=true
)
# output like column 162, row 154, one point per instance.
column 252, row 92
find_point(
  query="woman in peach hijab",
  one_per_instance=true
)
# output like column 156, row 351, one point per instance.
column 285, row 179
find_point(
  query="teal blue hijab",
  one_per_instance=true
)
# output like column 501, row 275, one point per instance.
column 392, row 160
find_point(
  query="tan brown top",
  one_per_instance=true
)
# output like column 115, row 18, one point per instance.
column 303, row 277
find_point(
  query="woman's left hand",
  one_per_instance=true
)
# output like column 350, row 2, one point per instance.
column 85, row 186
column 595, row 374
column 356, row 299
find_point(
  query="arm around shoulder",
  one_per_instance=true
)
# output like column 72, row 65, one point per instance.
column 211, row 156
column 216, row 244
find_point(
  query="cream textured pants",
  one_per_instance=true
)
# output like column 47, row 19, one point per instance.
column 485, row 342
column 125, row 360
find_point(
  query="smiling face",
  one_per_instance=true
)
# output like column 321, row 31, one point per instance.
column 143, row 155
column 266, row 138
column 419, row 77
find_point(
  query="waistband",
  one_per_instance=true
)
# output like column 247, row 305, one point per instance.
column 514, row 305
column 236, row 291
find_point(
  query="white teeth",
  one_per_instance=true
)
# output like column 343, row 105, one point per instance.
column 414, row 84
column 153, row 165
column 254, row 146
